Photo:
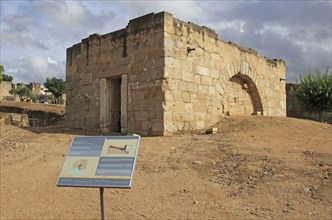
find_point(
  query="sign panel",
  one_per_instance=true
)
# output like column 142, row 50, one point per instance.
column 100, row 161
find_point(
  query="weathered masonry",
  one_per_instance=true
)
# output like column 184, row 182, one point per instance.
column 161, row 75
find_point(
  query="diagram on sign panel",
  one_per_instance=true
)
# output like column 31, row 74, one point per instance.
column 79, row 166
column 117, row 149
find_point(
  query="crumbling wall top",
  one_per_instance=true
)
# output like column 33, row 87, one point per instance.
column 145, row 23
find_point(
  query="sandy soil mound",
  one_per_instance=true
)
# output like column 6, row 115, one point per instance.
column 253, row 168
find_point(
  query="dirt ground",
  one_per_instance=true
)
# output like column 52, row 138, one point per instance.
column 254, row 168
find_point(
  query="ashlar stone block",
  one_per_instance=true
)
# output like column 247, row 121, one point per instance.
column 197, row 79
column 212, row 91
column 174, row 107
column 219, row 88
column 145, row 85
column 193, row 98
column 215, row 56
column 185, row 96
column 171, row 127
column 188, row 107
column 200, row 125
column 168, row 116
column 169, row 96
column 202, row 70
column 198, row 107
column 168, row 43
column 158, row 126
column 214, row 73
column 177, row 95
column 186, row 126
column 157, row 83
column 86, row 78
column 146, row 125
column 184, row 116
column 230, row 70
column 172, row 63
column 200, row 116
column 187, row 66
column 188, row 76
column 244, row 69
column 206, row 80
column 180, row 126
column 203, row 89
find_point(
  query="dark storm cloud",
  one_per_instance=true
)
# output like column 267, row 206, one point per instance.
column 290, row 13
column 298, row 32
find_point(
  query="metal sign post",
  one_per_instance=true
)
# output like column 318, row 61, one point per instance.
column 102, row 203
column 100, row 162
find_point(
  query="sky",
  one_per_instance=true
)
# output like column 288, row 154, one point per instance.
column 35, row 34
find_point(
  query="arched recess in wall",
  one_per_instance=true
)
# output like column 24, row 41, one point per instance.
column 242, row 73
column 249, row 86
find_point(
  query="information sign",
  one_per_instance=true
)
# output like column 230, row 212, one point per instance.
column 100, row 161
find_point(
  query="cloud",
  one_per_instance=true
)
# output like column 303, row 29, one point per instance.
column 48, row 23
column 298, row 32
column 50, row 61
column 39, row 30
column 182, row 9
column 36, row 69
column 70, row 21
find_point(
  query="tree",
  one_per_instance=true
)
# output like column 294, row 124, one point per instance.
column 22, row 91
column 314, row 92
column 1, row 71
column 4, row 77
column 7, row 78
column 34, row 97
column 56, row 87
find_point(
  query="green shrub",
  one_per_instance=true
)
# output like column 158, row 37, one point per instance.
column 314, row 92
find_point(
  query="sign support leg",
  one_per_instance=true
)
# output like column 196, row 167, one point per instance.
column 102, row 203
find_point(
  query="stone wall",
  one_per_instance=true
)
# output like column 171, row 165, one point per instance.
column 21, row 120
column 160, row 75
column 206, row 78
column 5, row 86
column 294, row 109
column 36, row 117
column 35, row 88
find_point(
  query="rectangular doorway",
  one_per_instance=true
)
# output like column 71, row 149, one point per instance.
column 110, row 105
column 114, row 104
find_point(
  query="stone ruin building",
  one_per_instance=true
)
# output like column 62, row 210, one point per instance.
column 161, row 75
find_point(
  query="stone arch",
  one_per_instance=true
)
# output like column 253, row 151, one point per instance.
column 250, row 87
column 244, row 74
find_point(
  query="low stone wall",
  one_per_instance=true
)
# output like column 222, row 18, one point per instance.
column 294, row 110
column 21, row 120
column 36, row 118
